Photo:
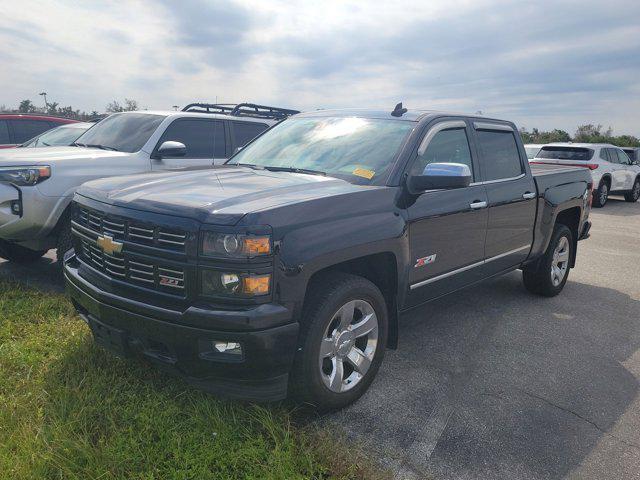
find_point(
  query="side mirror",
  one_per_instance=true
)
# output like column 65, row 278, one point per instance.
column 172, row 149
column 440, row 176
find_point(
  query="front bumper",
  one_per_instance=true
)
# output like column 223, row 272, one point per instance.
column 259, row 374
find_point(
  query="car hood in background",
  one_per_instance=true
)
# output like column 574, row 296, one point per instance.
column 47, row 155
column 215, row 195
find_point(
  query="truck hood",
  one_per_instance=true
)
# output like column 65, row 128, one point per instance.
column 217, row 195
column 47, row 155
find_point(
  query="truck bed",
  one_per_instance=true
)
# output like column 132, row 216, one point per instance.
column 547, row 176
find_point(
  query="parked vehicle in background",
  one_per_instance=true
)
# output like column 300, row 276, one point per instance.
column 285, row 270
column 64, row 135
column 633, row 153
column 37, row 185
column 17, row 128
column 532, row 149
column 612, row 170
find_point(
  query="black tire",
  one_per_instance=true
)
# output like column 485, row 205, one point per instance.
column 64, row 242
column 601, row 195
column 539, row 279
column 18, row 254
column 326, row 296
column 634, row 194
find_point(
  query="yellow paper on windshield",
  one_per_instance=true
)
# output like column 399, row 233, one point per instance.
column 363, row 172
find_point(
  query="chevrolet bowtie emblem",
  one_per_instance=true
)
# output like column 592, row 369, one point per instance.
column 108, row 245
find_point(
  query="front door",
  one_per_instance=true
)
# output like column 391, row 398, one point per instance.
column 199, row 135
column 446, row 227
column 511, row 194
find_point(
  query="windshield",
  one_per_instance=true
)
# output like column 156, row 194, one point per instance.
column 531, row 151
column 566, row 153
column 124, row 132
column 59, row 136
column 359, row 150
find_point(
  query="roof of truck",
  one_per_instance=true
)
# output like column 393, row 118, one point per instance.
column 411, row 115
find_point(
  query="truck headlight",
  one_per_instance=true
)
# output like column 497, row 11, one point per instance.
column 216, row 283
column 25, row 176
column 235, row 245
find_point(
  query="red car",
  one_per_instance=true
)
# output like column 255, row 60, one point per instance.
column 17, row 128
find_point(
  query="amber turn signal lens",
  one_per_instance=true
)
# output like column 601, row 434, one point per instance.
column 256, row 285
column 257, row 245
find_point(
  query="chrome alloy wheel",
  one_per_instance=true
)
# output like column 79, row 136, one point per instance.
column 348, row 346
column 560, row 262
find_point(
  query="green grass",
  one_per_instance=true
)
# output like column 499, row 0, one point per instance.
column 69, row 410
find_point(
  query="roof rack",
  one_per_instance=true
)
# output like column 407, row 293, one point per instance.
column 241, row 110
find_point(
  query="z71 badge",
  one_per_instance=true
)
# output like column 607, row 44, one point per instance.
column 421, row 262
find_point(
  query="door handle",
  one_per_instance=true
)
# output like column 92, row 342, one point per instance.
column 478, row 205
column 529, row 195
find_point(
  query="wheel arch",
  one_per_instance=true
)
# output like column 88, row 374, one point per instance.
column 381, row 269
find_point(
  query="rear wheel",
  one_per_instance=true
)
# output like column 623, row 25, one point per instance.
column 551, row 272
column 343, row 340
column 18, row 254
column 634, row 194
column 601, row 195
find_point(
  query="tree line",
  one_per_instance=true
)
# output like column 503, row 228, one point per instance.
column 588, row 133
column 54, row 108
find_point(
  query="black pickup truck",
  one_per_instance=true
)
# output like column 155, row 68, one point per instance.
column 286, row 271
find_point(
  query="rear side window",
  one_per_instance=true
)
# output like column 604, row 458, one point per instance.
column 24, row 130
column 197, row 135
column 500, row 155
column 566, row 153
column 604, row 155
column 243, row 132
column 219, row 141
column 4, row 132
column 447, row 146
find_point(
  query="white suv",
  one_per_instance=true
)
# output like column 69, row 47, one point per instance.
column 37, row 185
column 612, row 170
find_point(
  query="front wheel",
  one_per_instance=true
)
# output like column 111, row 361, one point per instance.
column 343, row 339
column 18, row 254
column 634, row 194
column 601, row 195
column 551, row 272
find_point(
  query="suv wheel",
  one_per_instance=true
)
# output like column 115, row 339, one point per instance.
column 18, row 254
column 552, row 271
column 342, row 344
column 601, row 195
column 634, row 194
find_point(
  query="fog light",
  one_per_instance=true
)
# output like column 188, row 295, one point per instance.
column 16, row 207
column 232, row 348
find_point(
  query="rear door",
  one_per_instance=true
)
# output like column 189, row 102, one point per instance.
column 198, row 135
column 625, row 170
column 446, row 227
column 511, row 193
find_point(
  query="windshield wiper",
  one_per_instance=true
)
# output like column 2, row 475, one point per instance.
column 95, row 145
column 294, row 170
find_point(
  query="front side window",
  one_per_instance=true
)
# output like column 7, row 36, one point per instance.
column 243, row 132
column 124, row 132
column 447, row 146
column 196, row 134
column 500, row 157
column 24, row 130
column 622, row 157
column 359, row 150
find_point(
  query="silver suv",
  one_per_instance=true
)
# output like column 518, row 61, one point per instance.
column 612, row 170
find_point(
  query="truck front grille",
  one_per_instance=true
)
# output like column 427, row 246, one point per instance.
column 132, row 231
column 121, row 266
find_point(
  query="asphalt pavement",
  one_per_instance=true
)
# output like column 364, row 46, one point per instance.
column 494, row 383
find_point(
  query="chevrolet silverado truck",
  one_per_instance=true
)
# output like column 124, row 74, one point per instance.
column 285, row 272
column 37, row 185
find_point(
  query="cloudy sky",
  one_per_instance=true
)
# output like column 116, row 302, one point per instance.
column 541, row 63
